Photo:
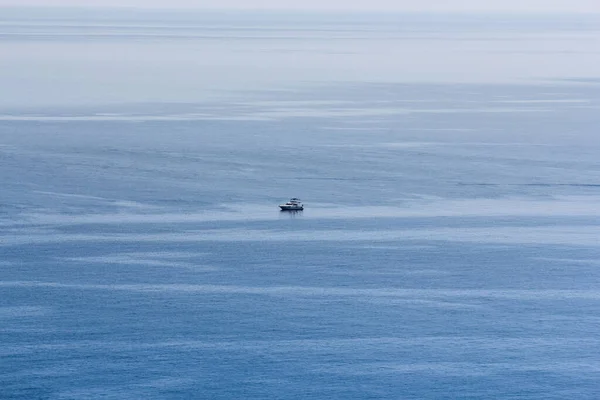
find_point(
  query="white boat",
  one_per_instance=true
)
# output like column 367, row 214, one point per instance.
column 293, row 205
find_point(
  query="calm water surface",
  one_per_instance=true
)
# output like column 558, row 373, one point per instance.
column 448, row 249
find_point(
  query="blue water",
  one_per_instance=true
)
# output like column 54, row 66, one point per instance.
column 448, row 249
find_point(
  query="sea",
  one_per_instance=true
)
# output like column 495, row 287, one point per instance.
column 449, row 165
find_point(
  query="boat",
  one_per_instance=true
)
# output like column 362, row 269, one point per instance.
column 293, row 205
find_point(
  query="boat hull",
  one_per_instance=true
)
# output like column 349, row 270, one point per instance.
column 291, row 208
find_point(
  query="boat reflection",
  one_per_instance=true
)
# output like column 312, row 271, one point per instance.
column 290, row 213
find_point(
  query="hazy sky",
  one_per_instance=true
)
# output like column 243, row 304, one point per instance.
column 591, row 6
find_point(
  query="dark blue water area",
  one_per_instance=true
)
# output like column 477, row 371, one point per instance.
column 443, row 253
